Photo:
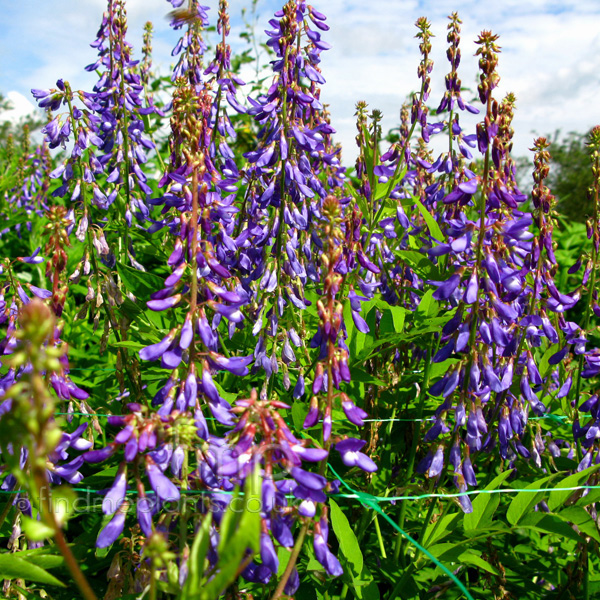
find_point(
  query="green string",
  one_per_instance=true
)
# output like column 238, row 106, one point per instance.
column 557, row 418
column 359, row 495
column 89, row 369
column 372, row 502
column 82, row 414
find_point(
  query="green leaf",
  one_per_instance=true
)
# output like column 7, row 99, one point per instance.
column 46, row 561
column 299, row 412
column 246, row 535
column 441, row 528
column 591, row 498
column 523, row 502
column 362, row 376
column 582, row 518
column 251, row 519
column 471, row 558
column 362, row 579
column 369, row 591
column 446, row 551
column 230, row 520
column 230, row 397
column 128, row 344
column 434, row 228
column 558, row 498
column 140, row 283
column 63, row 503
column 485, row 505
column 131, row 309
column 428, row 307
column 35, row 530
column 549, row 523
column 383, row 189
column 347, row 539
column 361, row 201
column 395, row 315
column 14, row 567
column 197, row 558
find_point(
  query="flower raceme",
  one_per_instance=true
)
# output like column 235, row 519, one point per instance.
column 275, row 301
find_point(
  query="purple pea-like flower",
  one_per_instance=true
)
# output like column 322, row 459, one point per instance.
column 312, row 481
column 165, row 489
column 354, row 414
column 447, row 288
column 115, row 496
column 437, row 463
column 98, row 456
column 359, row 322
column 156, row 351
column 268, row 554
column 325, row 556
column 112, row 531
column 349, row 450
column 145, row 509
column 164, row 303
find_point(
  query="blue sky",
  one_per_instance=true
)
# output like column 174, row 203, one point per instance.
column 550, row 53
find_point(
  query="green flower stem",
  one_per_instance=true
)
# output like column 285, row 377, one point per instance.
column 291, row 563
column 380, row 538
column 413, row 448
column 592, row 284
column 82, row 583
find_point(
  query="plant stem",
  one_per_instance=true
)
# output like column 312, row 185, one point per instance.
column 291, row 563
column 153, row 591
column 41, row 484
column 413, row 448
column 592, row 285
column 380, row 538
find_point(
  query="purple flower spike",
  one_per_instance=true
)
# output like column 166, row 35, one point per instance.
column 313, row 415
column 238, row 365
column 164, row 488
column 131, row 449
column 281, row 531
column 471, row 292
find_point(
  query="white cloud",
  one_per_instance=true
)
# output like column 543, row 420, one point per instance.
column 20, row 107
column 550, row 53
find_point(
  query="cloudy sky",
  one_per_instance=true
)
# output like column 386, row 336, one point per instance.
column 550, row 53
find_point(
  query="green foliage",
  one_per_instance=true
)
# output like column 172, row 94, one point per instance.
column 570, row 176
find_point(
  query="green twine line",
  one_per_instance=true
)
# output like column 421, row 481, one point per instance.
column 82, row 414
column 89, row 369
column 372, row 502
column 557, row 418
column 357, row 495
